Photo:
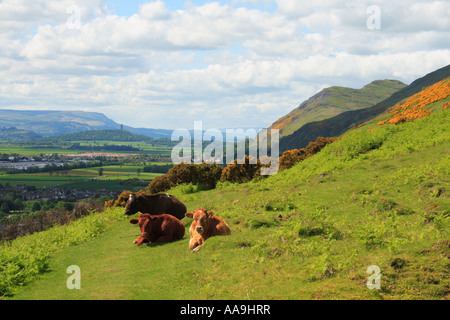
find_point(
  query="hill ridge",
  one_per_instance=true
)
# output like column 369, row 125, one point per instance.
column 54, row 122
column 334, row 100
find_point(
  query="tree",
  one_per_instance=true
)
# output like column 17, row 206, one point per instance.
column 36, row 206
column 4, row 209
column 100, row 172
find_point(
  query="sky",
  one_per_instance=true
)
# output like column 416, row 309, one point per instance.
column 229, row 63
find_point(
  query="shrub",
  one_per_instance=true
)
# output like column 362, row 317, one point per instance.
column 43, row 220
column 203, row 175
column 183, row 173
column 121, row 201
column 291, row 157
column 414, row 107
column 235, row 172
column 314, row 147
column 85, row 207
column 209, row 175
column 159, row 184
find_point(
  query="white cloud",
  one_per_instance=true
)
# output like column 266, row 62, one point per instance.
column 221, row 63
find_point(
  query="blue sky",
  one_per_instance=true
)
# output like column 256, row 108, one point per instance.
column 230, row 64
column 130, row 7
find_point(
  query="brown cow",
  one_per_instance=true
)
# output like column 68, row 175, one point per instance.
column 204, row 226
column 160, row 228
column 155, row 204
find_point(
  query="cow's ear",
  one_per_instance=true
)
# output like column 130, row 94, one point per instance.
column 210, row 214
column 134, row 221
column 189, row 215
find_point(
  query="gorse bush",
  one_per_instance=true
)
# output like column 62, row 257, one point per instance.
column 414, row 106
column 291, row 157
column 204, row 175
column 121, row 201
column 242, row 171
column 160, row 184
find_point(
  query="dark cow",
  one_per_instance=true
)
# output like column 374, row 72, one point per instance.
column 155, row 204
column 160, row 228
column 204, row 226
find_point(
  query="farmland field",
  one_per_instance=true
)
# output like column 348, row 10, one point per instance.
column 79, row 178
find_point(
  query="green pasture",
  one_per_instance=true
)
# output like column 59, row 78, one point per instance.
column 79, row 178
column 9, row 148
column 39, row 181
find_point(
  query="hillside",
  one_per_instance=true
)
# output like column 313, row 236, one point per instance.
column 378, row 196
column 333, row 101
column 337, row 125
column 14, row 134
column 91, row 135
column 49, row 123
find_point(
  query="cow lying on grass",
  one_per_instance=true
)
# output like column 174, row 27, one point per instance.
column 204, row 226
column 159, row 228
column 155, row 204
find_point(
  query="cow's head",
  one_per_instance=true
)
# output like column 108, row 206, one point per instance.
column 132, row 205
column 201, row 218
column 145, row 224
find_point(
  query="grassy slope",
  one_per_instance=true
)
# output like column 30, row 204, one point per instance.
column 384, row 200
column 333, row 101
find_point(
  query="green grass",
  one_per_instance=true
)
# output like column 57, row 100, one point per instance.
column 10, row 148
column 384, row 200
column 25, row 258
column 39, row 181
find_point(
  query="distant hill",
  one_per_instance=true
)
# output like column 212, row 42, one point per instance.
column 337, row 125
column 104, row 135
column 14, row 134
column 50, row 123
column 333, row 101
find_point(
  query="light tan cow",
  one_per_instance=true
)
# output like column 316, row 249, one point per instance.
column 204, row 226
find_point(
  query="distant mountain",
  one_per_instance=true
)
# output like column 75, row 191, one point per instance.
column 333, row 101
column 337, row 125
column 50, row 123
